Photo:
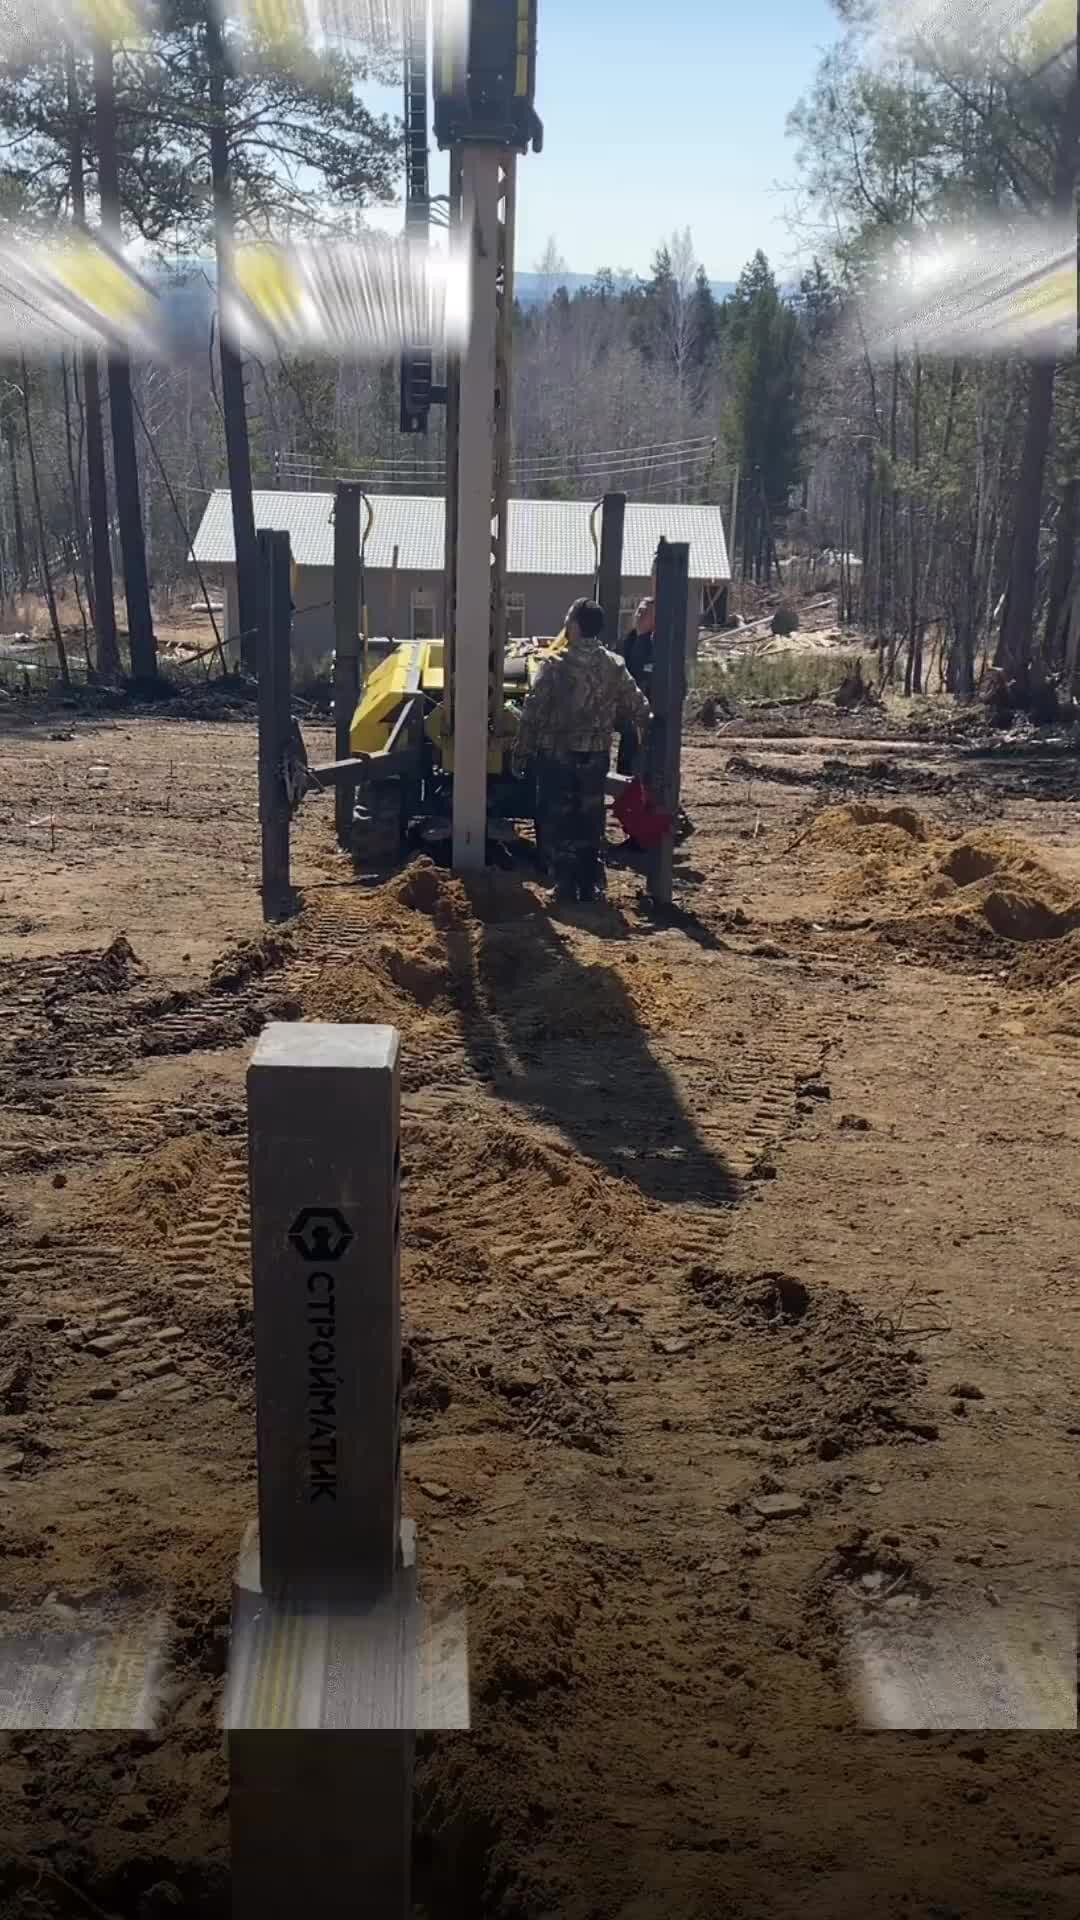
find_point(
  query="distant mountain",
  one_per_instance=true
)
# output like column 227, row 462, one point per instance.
column 532, row 289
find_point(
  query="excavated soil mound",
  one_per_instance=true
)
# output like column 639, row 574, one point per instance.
column 567, row 1002
column 146, row 1204
column 113, row 970
column 427, row 889
column 252, row 960
column 986, row 890
column 500, row 898
column 425, row 976
column 1051, row 966
column 837, row 1380
column 864, row 829
column 504, row 1176
column 414, row 963
column 434, row 957
column 594, row 1000
column 361, row 991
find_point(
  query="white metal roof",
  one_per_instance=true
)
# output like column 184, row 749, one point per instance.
column 543, row 537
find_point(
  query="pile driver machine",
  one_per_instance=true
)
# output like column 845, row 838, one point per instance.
column 433, row 729
column 427, row 741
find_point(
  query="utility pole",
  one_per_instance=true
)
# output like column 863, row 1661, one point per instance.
column 121, row 411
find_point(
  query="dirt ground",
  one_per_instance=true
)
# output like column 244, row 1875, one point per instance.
column 741, row 1288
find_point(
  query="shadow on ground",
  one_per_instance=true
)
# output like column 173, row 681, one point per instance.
column 564, row 1039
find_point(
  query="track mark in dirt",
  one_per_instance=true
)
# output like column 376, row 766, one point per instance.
column 93, row 1013
column 185, row 1209
column 211, row 1250
column 746, row 1102
column 138, row 1357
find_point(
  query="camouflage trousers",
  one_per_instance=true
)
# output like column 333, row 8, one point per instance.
column 571, row 798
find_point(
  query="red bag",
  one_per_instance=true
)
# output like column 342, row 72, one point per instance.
column 639, row 819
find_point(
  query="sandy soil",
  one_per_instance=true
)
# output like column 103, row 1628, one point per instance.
column 777, row 1199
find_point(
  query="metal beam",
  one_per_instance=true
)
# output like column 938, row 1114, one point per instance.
column 347, row 505
column 668, row 698
column 612, row 522
column 380, row 765
column 274, row 615
column 500, row 488
column 453, row 441
column 481, row 193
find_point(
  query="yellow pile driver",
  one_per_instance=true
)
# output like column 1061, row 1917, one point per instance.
column 400, row 734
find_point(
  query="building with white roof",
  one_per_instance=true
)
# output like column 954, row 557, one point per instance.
column 550, row 561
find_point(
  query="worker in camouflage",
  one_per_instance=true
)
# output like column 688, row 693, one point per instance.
column 580, row 698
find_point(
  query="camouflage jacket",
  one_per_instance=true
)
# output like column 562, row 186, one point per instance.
column 580, row 698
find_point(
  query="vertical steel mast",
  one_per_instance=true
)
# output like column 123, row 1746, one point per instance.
column 484, row 87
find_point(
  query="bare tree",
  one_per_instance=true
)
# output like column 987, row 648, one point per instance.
column 141, row 638
column 39, row 522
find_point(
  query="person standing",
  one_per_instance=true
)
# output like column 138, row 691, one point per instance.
column 637, row 652
column 580, row 698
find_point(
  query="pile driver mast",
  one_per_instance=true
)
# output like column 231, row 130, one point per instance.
column 484, row 85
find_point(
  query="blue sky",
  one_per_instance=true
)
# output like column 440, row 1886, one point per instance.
column 668, row 115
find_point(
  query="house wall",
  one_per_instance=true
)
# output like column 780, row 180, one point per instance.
column 546, row 599
column 313, row 615
column 389, row 602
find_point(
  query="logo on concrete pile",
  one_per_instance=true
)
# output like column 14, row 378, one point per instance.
column 320, row 1234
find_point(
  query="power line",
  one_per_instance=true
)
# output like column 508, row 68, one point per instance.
column 538, row 461
column 395, row 476
column 576, row 474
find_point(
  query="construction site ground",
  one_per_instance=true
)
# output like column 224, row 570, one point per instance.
column 741, row 1286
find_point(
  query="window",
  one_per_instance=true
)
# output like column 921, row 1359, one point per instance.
column 423, row 614
column 627, row 610
column 515, row 616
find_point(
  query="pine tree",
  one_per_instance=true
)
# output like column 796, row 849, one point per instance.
column 764, row 418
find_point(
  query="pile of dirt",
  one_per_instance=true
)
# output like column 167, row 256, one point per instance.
column 145, row 1205
column 427, row 889
column 504, row 1176
column 410, row 961
column 360, row 991
column 836, row 1379
column 865, row 830
column 116, row 968
column 434, row 955
column 251, row 960
column 1045, row 968
column 984, row 889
